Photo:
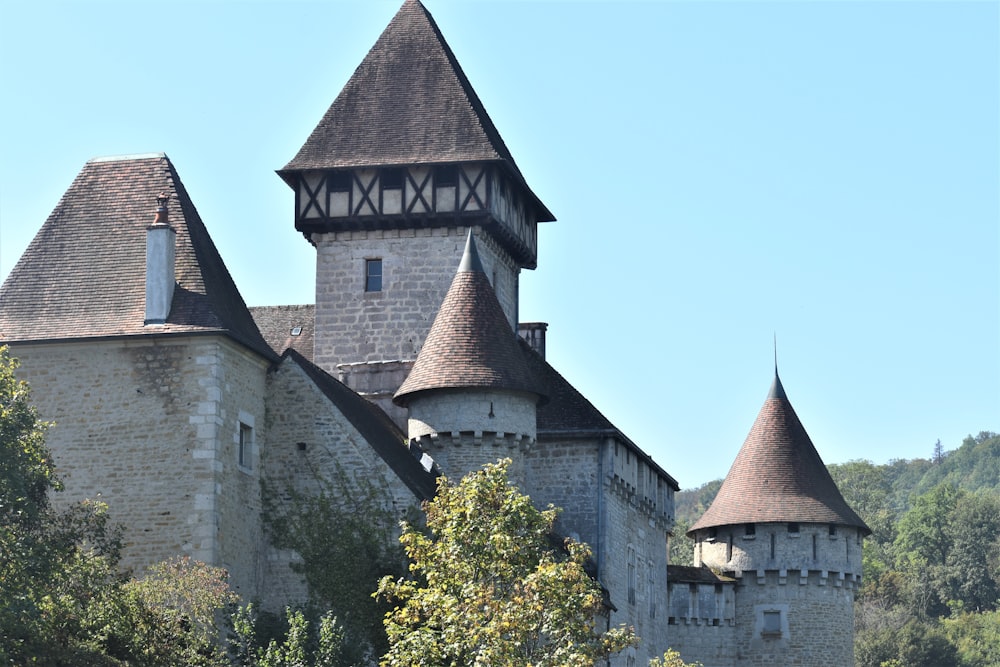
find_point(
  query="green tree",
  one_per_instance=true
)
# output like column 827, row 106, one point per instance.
column 343, row 522
column 297, row 647
column 62, row 599
column 672, row 658
column 491, row 588
column 976, row 637
column 52, row 564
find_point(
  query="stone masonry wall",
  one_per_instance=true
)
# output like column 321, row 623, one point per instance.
column 146, row 426
column 816, row 621
column 418, row 266
column 802, row 576
column 331, row 449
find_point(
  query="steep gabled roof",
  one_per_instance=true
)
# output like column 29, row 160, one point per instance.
column 84, row 273
column 287, row 327
column 778, row 476
column 471, row 344
column 568, row 413
column 408, row 102
column 375, row 426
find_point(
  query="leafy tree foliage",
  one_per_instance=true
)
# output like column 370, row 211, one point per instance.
column 345, row 523
column 490, row 588
column 672, row 659
column 297, row 647
column 52, row 564
column 62, row 599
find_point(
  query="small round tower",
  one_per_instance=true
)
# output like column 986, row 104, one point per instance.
column 471, row 396
column 780, row 526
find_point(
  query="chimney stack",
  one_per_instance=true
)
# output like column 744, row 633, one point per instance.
column 534, row 334
column 160, row 254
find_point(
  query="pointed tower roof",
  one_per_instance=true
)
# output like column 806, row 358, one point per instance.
column 471, row 344
column 408, row 102
column 778, row 476
column 84, row 273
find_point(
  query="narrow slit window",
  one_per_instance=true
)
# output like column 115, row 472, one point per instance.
column 245, row 453
column 373, row 275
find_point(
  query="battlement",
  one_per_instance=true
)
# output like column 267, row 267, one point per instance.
column 517, row 441
column 780, row 547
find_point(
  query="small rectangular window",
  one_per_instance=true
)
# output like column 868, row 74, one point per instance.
column 833, row 530
column 373, row 275
column 446, row 176
column 245, row 453
column 339, row 181
column 392, row 179
column 750, row 529
column 793, row 528
column 772, row 624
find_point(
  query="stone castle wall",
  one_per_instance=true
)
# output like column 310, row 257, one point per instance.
column 313, row 447
column 462, row 430
column 816, row 620
column 150, row 426
column 703, row 622
column 795, row 597
column 418, row 266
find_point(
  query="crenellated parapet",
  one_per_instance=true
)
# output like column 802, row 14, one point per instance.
column 788, row 547
column 636, row 478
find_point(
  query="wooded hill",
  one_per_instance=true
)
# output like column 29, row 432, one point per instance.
column 931, row 568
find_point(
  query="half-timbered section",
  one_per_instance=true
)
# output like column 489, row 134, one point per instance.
column 444, row 195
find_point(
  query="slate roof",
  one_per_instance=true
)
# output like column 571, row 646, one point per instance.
column 696, row 575
column 84, row 276
column 277, row 324
column 375, row 426
column 778, row 476
column 471, row 344
column 408, row 103
column 568, row 413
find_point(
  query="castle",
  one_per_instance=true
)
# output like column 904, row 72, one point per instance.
column 173, row 400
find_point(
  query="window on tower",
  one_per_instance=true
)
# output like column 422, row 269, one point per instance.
column 446, row 176
column 340, row 181
column 772, row 624
column 373, row 275
column 392, row 179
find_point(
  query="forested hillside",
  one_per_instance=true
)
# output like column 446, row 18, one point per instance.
column 931, row 591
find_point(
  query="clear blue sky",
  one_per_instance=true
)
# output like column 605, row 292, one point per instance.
column 721, row 172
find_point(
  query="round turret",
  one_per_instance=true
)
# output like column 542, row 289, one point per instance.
column 471, row 396
column 780, row 526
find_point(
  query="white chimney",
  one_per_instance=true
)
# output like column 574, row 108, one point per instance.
column 160, row 237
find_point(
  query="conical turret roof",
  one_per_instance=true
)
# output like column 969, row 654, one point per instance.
column 408, row 102
column 778, row 476
column 471, row 344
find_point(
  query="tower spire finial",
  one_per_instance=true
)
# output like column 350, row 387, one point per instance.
column 775, row 354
